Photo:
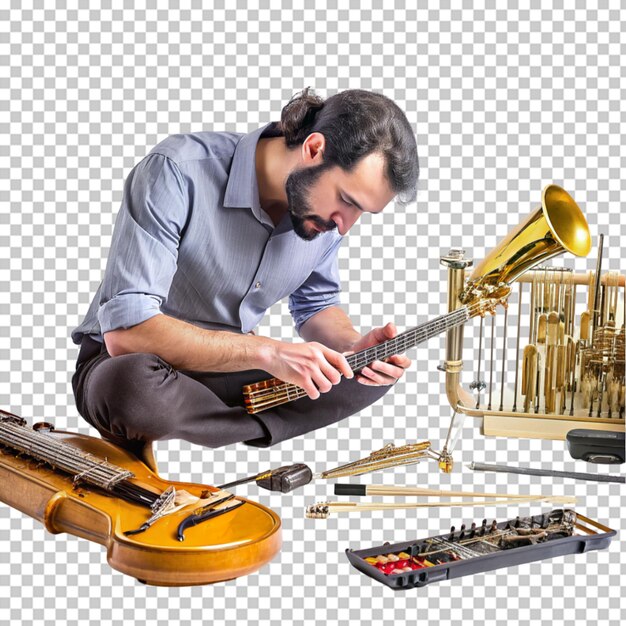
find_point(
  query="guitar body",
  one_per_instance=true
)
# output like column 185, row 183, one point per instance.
column 231, row 545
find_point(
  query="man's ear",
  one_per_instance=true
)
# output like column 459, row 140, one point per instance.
column 313, row 149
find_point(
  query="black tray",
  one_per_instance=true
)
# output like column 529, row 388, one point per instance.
column 594, row 536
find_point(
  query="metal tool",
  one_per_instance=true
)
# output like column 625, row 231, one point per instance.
column 601, row 478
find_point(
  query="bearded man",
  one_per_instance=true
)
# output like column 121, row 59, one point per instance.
column 215, row 228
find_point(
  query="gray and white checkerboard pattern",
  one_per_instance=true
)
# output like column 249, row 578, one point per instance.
column 503, row 101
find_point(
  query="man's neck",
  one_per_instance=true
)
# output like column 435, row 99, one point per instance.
column 273, row 164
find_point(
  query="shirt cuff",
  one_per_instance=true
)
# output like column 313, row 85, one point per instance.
column 127, row 310
column 302, row 312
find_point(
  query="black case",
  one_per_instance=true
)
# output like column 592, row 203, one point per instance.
column 594, row 540
column 596, row 446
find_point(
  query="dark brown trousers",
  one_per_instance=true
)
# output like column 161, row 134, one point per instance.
column 138, row 398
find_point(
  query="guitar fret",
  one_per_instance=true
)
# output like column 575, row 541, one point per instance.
column 407, row 340
column 277, row 394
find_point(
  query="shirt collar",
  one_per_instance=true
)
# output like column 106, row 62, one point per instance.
column 242, row 189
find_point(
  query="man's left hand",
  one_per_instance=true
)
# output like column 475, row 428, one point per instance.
column 385, row 372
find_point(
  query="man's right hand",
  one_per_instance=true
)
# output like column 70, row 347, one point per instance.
column 311, row 365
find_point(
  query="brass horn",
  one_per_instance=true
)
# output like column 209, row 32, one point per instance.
column 557, row 226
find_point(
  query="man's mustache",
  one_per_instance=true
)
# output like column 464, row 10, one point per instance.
column 322, row 224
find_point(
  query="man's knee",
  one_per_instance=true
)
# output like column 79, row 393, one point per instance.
column 354, row 396
column 126, row 395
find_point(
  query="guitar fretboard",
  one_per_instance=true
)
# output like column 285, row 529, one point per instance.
column 45, row 448
column 408, row 339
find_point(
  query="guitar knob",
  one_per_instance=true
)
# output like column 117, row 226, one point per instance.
column 43, row 427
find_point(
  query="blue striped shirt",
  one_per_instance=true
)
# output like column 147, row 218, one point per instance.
column 192, row 241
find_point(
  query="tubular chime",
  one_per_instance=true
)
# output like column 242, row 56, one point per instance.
column 569, row 355
column 567, row 345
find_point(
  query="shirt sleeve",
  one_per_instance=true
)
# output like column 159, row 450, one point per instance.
column 320, row 290
column 144, row 249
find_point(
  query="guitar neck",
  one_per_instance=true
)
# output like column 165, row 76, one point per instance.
column 82, row 466
column 408, row 339
column 273, row 392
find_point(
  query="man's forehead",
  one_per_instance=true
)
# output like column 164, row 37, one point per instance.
column 368, row 182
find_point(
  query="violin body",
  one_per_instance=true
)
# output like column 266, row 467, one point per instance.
column 231, row 545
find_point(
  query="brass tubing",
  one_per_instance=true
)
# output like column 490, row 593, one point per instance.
column 577, row 279
column 491, row 346
column 479, row 360
column 517, row 343
column 454, row 337
column 533, row 296
column 574, row 358
column 503, row 377
column 457, row 396
column 572, row 316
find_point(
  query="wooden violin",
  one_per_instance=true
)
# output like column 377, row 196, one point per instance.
column 93, row 489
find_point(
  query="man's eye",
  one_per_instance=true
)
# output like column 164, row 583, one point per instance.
column 346, row 202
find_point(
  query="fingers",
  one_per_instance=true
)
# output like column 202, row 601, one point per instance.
column 400, row 360
column 339, row 362
column 326, row 372
column 390, row 330
column 331, row 366
column 384, row 372
column 383, row 333
column 376, row 336
column 310, row 388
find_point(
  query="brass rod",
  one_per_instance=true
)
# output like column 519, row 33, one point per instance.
column 596, row 293
column 493, row 327
column 517, row 343
column 503, row 377
column 480, row 358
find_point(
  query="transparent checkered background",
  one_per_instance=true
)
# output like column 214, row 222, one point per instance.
column 503, row 102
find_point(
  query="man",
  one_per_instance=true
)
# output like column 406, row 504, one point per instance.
column 215, row 228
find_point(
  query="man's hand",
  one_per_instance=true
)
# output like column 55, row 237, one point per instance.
column 381, row 372
column 311, row 365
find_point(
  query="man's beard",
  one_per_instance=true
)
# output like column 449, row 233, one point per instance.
column 298, row 186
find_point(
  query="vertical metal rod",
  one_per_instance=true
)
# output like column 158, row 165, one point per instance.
column 533, row 298
column 603, row 302
column 537, row 385
column 502, row 378
column 571, row 409
column 572, row 317
column 493, row 326
column 596, row 293
column 480, row 358
column 517, row 342
column 600, row 390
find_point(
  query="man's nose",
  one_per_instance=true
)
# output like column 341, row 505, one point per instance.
column 345, row 219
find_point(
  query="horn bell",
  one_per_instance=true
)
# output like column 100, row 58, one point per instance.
column 557, row 226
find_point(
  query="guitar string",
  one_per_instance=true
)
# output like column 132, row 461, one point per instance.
column 69, row 459
column 74, row 460
column 405, row 340
column 285, row 392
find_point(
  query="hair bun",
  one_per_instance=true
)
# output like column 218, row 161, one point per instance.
column 298, row 116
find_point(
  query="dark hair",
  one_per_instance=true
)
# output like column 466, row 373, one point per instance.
column 356, row 123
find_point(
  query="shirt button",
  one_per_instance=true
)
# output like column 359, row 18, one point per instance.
column 258, row 285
